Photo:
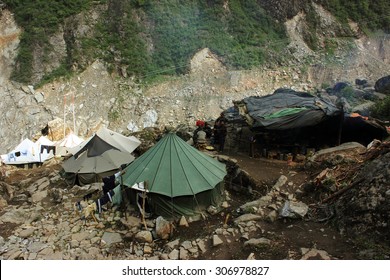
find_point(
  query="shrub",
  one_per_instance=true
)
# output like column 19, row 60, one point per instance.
column 381, row 109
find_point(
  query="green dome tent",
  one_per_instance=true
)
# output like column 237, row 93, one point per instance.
column 180, row 179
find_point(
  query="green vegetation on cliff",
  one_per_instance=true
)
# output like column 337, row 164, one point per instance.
column 370, row 14
column 148, row 38
column 39, row 19
column 169, row 32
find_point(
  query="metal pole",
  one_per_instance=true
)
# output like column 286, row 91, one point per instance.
column 64, row 113
column 74, row 119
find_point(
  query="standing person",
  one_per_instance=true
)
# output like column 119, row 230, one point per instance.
column 220, row 131
column 252, row 141
column 200, row 140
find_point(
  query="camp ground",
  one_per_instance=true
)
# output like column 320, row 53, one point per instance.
column 99, row 156
column 178, row 179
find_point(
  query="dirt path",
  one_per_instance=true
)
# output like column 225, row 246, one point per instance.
column 289, row 236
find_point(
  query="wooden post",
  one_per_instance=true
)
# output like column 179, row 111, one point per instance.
column 143, row 204
column 340, row 126
column 123, row 192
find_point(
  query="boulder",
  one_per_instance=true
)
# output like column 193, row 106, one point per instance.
column 292, row 209
column 144, row 236
column 383, row 85
column 163, row 228
column 39, row 196
column 111, row 237
column 26, row 232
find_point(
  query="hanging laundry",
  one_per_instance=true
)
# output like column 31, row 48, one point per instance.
column 104, row 200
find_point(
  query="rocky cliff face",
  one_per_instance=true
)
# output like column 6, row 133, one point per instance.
column 9, row 40
column 101, row 98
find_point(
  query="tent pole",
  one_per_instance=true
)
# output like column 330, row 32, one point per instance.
column 340, row 126
column 74, row 119
column 64, row 112
column 143, row 205
column 123, row 191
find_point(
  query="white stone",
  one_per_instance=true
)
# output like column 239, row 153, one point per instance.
column 183, row 254
column 144, row 236
column 247, row 217
column 281, row 181
column 111, row 237
column 186, row 244
column 255, row 242
column 174, row 255
column 217, row 240
column 173, row 244
column 39, row 196
column 183, row 222
column 26, row 232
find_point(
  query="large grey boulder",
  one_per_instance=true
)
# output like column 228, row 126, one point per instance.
column 383, row 85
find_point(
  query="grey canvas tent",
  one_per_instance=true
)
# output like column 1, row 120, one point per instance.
column 99, row 156
column 179, row 179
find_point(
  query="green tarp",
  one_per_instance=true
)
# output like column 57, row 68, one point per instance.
column 175, row 174
column 284, row 112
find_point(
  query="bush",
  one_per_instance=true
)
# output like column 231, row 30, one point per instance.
column 371, row 14
column 381, row 109
column 39, row 19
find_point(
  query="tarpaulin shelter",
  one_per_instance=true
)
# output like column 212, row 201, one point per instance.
column 287, row 109
column 99, row 156
column 179, row 179
column 293, row 120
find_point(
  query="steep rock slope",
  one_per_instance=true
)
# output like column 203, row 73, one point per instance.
column 102, row 97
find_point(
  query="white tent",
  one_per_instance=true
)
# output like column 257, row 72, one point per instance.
column 70, row 141
column 26, row 152
column 46, row 148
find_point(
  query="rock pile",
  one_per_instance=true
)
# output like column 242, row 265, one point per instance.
column 365, row 208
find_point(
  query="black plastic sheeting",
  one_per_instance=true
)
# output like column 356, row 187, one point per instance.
column 315, row 110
